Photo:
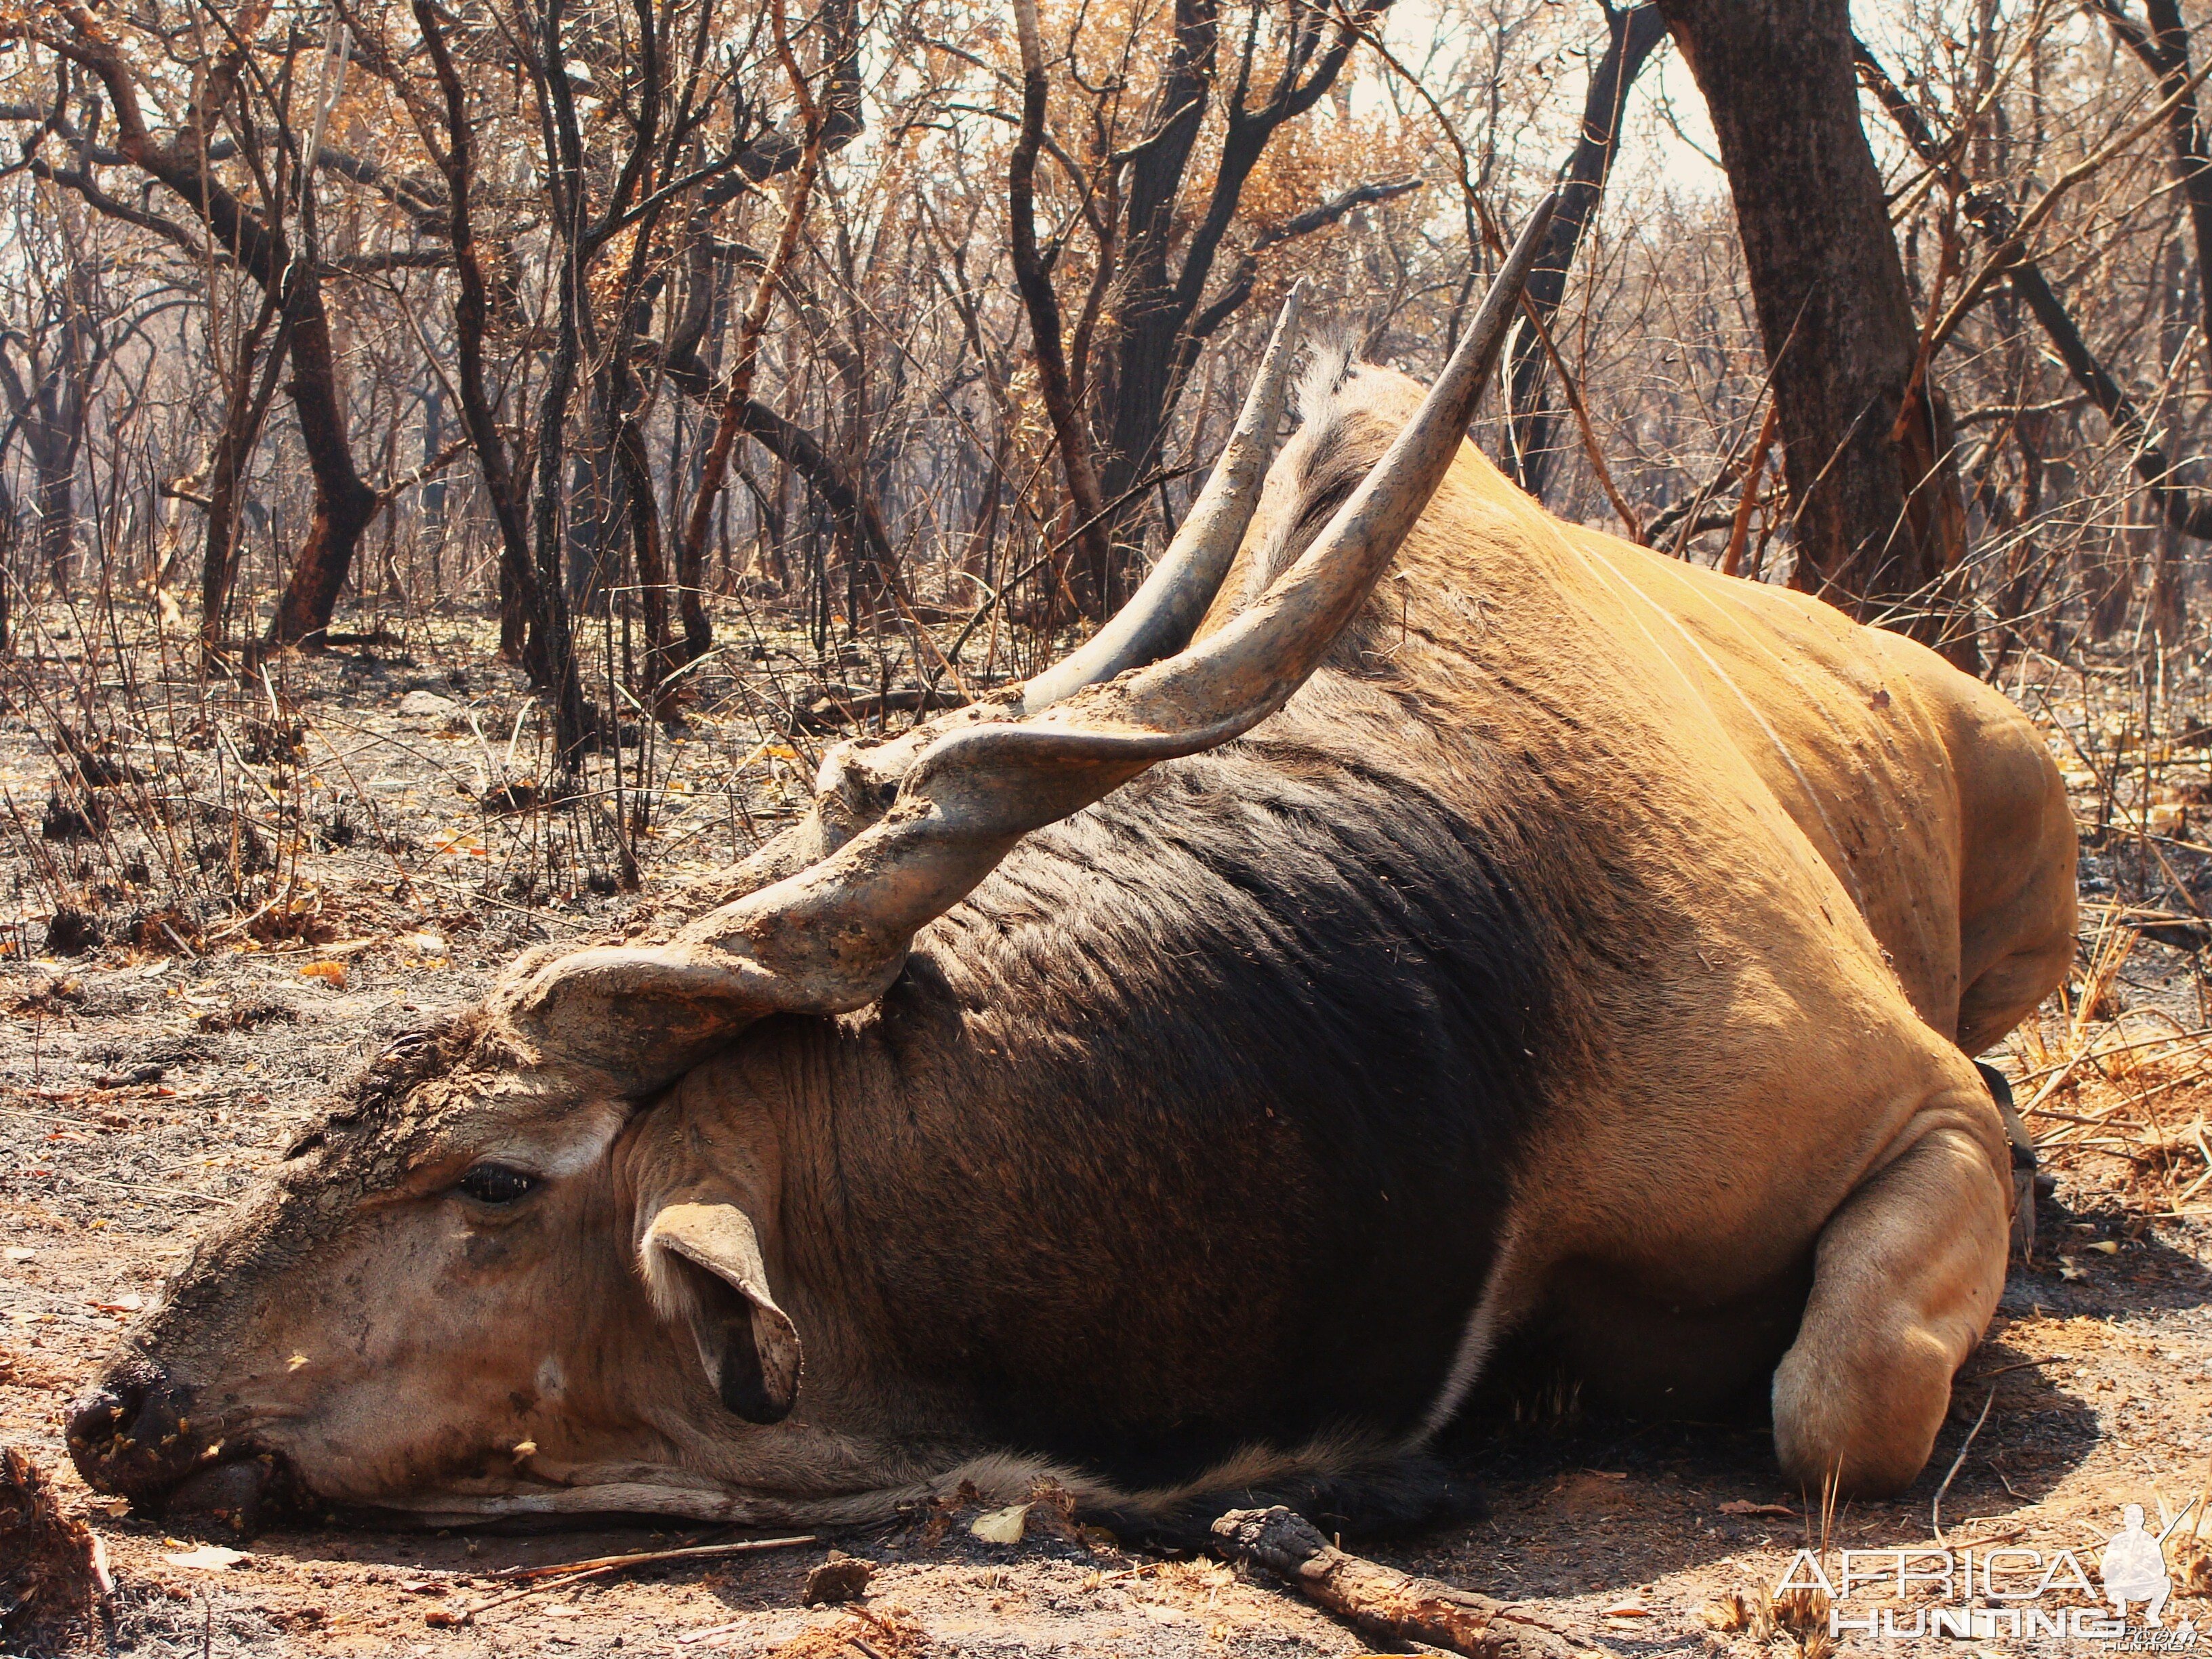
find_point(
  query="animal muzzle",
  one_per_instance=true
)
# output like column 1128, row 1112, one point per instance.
column 136, row 1435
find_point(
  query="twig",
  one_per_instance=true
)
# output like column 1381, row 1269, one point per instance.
column 640, row 1557
column 600, row 1566
column 1935, row 1504
column 2010, row 250
column 147, row 1186
column 2018, row 1365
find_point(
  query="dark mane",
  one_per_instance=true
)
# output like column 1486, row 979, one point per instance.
column 1283, row 1001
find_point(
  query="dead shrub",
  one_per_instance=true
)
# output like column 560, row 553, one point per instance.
column 73, row 820
column 50, row 1576
column 71, row 933
column 273, row 742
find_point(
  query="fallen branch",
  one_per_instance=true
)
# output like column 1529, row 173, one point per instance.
column 1381, row 1599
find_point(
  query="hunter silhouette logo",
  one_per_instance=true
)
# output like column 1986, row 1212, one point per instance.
column 2005, row 1592
column 2134, row 1567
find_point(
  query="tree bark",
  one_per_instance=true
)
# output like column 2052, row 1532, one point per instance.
column 1089, row 576
column 244, row 412
column 1866, row 439
column 518, row 583
column 1158, row 323
column 344, row 503
column 1631, row 35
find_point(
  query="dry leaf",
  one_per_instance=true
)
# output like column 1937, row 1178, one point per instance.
column 1745, row 1506
column 422, row 944
column 1628, row 1610
column 525, row 1449
column 457, row 843
column 296, row 1362
column 207, row 1558
column 18, row 1253
column 1001, row 1526
column 2107, row 1247
column 334, row 972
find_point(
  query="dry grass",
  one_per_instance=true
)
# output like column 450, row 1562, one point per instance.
column 2116, row 1094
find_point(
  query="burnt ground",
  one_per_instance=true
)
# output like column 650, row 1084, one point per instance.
column 310, row 861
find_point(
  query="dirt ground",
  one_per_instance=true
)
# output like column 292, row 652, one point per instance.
column 311, row 862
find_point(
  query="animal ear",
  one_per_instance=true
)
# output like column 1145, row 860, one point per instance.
column 703, row 1263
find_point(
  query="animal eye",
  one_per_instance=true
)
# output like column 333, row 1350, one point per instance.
column 495, row 1183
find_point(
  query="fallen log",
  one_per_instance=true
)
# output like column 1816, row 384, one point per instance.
column 1380, row 1599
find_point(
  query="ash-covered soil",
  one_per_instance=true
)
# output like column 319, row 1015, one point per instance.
column 309, row 821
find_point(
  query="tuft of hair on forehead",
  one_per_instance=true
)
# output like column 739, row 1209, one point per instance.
column 407, row 1061
column 1329, row 365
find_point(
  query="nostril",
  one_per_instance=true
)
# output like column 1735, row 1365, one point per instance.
column 99, row 1415
column 126, row 1431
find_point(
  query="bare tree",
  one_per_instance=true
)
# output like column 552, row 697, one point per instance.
column 1865, row 435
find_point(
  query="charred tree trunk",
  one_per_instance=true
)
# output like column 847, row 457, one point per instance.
column 1162, row 315
column 2163, row 48
column 2169, row 600
column 1631, row 35
column 549, row 654
column 1088, row 571
column 10, row 527
column 522, row 598
column 1866, row 439
column 53, row 463
column 47, row 404
column 2184, row 507
column 1137, row 361
column 344, row 505
column 816, row 115
column 854, row 512
column 244, row 412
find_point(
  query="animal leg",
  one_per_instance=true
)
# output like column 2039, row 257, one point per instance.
column 1906, row 1277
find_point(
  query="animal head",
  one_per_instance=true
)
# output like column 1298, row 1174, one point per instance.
column 534, row 1261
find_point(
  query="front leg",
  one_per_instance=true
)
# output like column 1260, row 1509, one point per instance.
column 1906, row 1275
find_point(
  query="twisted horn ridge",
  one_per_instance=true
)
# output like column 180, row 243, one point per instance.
column 833, row 937
column 860, row 777
column 1161, row 616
